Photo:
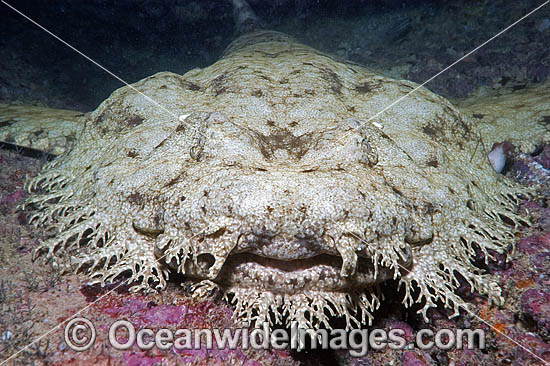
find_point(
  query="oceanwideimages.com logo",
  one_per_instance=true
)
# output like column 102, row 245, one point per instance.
column 80, row 335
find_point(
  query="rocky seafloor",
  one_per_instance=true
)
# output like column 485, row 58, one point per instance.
column 407, row 39
column 35, row 298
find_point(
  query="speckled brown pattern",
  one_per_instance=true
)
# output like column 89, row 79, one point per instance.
column 276, row 188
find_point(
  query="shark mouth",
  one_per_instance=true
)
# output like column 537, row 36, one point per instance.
column 309, row 291
column 324, row 272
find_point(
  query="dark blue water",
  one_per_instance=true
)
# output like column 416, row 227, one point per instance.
column 134, row 39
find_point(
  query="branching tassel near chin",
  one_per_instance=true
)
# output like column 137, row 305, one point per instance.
column 278, row 189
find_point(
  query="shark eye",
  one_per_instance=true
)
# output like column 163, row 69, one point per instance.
column 196, row 150
column 370, row 154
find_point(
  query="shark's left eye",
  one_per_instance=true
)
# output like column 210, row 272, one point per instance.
column 370, row 154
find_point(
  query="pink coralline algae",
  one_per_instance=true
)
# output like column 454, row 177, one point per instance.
column 411, row 358
column 147, row 312
column 531, row 169
column 184, row 314
column 544, row 157
column 535, row 305
column 13, row 197
column 135, row 359
column 534, row 244
column 542, row 264
column 406, row 328
column 527, row 278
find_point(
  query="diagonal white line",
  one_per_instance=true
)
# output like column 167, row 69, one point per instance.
column 474, row 315
column 183, row 120
column 424, row 83
column 37, row 339
column 450, row 66
column 508, row 337
column 180, row 118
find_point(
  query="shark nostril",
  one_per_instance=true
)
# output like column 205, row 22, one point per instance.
column 370, row 154
column 205, row 261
